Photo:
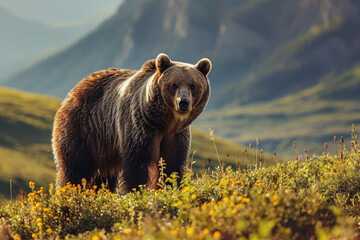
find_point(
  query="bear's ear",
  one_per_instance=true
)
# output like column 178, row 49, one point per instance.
column 204, row 66
column 162, row 62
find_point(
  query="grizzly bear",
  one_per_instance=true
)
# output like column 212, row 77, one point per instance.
column 115, row 125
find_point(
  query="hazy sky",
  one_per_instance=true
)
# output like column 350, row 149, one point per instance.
column 64, row 12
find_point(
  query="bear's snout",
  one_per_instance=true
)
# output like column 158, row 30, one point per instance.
column 184, row 104
column 183, row 100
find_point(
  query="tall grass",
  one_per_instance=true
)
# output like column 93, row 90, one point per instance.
column 316, row 198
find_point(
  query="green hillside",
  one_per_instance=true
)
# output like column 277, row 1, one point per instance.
column 311, row 117
column 25, row 127
column 25, row 150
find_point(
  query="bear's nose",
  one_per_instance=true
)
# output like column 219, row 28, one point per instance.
column 184, row 104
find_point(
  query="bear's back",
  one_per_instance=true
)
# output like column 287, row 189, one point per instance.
column 93, row 87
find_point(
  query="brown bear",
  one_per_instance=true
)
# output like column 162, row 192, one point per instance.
column 115, row 125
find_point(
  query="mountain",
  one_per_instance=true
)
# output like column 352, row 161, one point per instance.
column 329, row 42
column 261, row 50
column 62, row 13
column 24, row 42
column 25, row 152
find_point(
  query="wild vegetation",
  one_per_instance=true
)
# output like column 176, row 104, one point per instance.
column 301, row 199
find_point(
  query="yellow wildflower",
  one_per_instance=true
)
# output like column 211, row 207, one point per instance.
column 16, row 236
column 31, row 184
column 174, row 232
column 128, row 231
column 34, row 235
column 193, row 196
column 95, row 237
column 206, row 231
column 49, row 230
column 186, row 189
column 239, row 206
column 211, row 211
column 217, row 234
column 190, row 231
column 200, row 236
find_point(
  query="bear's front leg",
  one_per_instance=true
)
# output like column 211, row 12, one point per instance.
column 175, row 151
column 141, row 164
column 153, row 166
column 153, row 175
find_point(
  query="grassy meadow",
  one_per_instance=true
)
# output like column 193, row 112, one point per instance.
column 25, row 151
column 311, row 198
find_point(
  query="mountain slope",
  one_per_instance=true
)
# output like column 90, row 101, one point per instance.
column 311, row 117
column 23, row 42
column 25, row 151
column 261, row 50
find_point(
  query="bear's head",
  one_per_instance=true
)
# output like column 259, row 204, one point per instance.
column 184, row 87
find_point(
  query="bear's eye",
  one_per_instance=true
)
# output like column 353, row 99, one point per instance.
column 192, row 86
column 174, row 86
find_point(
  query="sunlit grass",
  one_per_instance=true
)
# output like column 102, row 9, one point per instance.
column 298, row 200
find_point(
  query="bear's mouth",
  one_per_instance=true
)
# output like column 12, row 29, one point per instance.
column 183, row 111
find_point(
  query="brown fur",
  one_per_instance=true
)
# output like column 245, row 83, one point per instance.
column 114, row 126
column 4, row 233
